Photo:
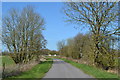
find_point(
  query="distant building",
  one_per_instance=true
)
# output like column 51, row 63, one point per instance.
column 49, row 55
column 54, row 54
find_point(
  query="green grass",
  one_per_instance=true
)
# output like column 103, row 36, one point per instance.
column 93, row 71
column 7, row 60
column 37, row 71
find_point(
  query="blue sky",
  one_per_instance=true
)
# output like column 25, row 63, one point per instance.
column 56, row 27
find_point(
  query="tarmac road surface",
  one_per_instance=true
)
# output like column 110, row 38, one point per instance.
column 61, row 69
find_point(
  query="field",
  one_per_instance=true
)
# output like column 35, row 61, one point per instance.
column 7, row 60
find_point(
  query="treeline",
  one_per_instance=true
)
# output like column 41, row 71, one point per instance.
column 82, row 47
column 22, row 34
column 47, row 52
column 100, row 46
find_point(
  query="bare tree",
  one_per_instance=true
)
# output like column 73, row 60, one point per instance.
column 100, row 17
column 60, row 46
column 22, row 33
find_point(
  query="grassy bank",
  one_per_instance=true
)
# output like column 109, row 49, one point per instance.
column 7, row 60
column 37, row 71
column 93, row 71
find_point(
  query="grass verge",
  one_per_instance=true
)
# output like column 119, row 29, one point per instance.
column 37, row 71
column 93, row 71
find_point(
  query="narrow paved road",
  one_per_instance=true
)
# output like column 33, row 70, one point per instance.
column 61, row 69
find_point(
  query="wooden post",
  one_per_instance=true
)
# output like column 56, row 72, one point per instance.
column 3, row 73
